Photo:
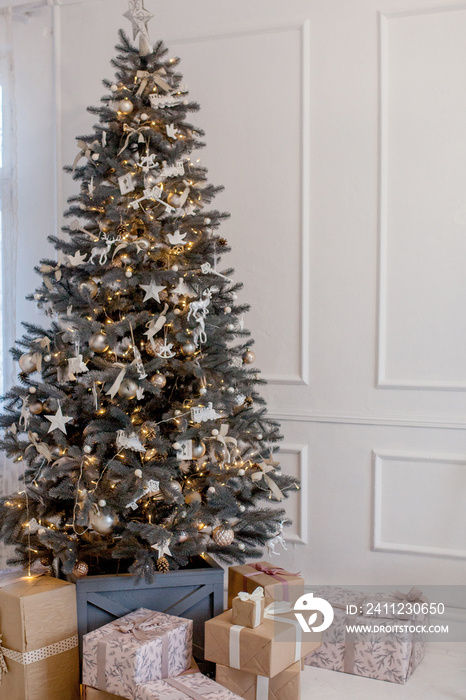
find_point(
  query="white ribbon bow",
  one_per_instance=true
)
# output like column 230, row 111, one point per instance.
column 144, row 76
column 257, row 594
column 263, row 474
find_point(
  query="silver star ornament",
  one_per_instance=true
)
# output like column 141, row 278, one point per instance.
column 58, row 421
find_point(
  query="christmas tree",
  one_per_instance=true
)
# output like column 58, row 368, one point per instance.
column 137, row 414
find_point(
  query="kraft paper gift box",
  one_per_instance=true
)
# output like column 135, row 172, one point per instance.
column 248, row 608
column 379, row 655
column 186, row 687
column 90, row 693
column 38, row 625
column 139, row 647
column 265, row 650
column 284, row 686
column 278, row 584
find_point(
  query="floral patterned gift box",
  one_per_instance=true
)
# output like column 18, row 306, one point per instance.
column 192, row 687
column 386, row 656
column 139, row 647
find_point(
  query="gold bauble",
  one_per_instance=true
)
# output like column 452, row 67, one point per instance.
column 173, row 199
column 125, row 106
column 223, row 536
column 154, row 350
column 248, row 357
column 198, row 449
column 158, row 380
column 105, row 225
column 128, row 389
column 102, row 522
column 35, row 407
column 80, row 569
column 27, row 363
column 88, row 287
column 188, row 348
column 193, row 497
column 98, row 342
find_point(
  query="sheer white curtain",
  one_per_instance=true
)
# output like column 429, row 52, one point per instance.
column 8, row 232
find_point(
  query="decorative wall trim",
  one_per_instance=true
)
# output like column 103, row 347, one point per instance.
column 302, row 378
column 301, row 537
column 354, row 419
column 382, row 380
column 378, row 544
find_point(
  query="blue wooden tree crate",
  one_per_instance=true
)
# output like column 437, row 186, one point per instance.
column 195, row 593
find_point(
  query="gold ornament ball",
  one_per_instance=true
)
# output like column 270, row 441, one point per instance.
column 105, row 225
column 35, row 407
column 98, row 342
column 158, row 380
column 193, row 497
column 128, row 389
column 174, row 199
column 102, row 522
column 249, row 357
column 150, row 180
column 198, row 449
column 153, row 350
column 150, row 454
column 88, row 287
column 125, row 106
column 188, row 348
column 223, row 536
column 80, row 569
column 27, row 363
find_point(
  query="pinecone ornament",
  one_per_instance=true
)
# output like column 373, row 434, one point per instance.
column 162, row 565
column 223, row 536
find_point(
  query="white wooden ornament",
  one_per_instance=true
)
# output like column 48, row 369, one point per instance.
column 126, row 183
column 153, row 194
column 172, row 170
column 129, row 441
column 162, row 101
column 171, row 130
column 185, row 450
column 177, row 238
column 200, row 414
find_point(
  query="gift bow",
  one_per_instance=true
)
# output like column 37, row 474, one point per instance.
column 142, row 630
column 130, row 131
column 144, row 76
column 263, row 474
column 274, row 571
column 257, row 594
column 86, row 150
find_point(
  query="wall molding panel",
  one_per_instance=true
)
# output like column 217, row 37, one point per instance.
column 301, row 378
column 383, row 378
column 302, row 516
column 380, row 517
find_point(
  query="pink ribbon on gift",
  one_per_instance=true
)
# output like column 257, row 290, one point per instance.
column 143, row 629
column 274, row 571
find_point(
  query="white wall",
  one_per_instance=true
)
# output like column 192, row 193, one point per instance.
column 338, row 130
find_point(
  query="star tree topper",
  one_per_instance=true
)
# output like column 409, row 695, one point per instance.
column 58, row 421
column 139, row 18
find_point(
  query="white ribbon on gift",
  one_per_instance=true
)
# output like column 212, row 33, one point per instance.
column 262, row 688
column 271, row 612
column 255, row 597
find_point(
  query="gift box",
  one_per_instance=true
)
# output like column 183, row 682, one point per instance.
column 96, row 694
column 90, row 693
column 284, row 686
column 382, row 655
column 248, row 608
column 192, row 686
column 265, row 650
column 139, row 647
column 38, row 625
column 278, row 584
